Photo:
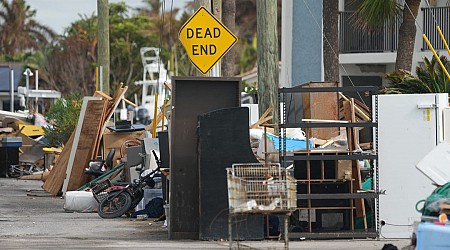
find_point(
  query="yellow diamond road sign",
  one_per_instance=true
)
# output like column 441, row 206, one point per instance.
column 205, row 39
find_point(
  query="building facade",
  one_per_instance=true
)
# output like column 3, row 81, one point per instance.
column 364, row 57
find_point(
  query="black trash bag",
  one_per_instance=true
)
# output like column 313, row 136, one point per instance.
column 389, row 247
column 153, row 209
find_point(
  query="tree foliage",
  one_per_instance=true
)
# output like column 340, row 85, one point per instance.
column 70, row 65
column 63, row 118
column 67, row 63
column 19, row 31
column 377, row 14
column 430, row 79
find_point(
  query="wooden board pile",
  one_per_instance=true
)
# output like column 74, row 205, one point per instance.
column 83, row 145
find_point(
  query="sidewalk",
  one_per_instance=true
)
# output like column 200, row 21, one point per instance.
column 39, row 222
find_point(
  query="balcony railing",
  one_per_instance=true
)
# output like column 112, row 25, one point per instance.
column 442, row 15
column 355, row 40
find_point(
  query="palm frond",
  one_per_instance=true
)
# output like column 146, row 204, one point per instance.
column 374, row 14
column 430, row 79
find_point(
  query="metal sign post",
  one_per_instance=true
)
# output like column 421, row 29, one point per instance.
column 27, row 74
column 11, row 75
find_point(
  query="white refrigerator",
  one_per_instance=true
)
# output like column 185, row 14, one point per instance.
column 409, row 127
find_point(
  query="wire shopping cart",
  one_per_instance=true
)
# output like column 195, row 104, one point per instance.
column 261, row 189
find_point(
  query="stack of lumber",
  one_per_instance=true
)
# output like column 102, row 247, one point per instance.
column 83, row 144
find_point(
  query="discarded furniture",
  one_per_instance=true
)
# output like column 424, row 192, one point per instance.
column 191, row 97
column 99, row 167
column 223, row 140
column 260, row 189
column 83, row 145
column 9, row 153
column 410, row 126
column 329, row 202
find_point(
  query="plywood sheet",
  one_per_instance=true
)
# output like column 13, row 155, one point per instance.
column 87, row 139
column 323, row 106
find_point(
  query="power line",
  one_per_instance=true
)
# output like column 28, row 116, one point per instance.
column 432, row 13
column 414, row 17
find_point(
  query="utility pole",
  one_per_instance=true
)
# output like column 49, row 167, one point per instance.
column 103, row 42
column 267, row 50
column 199, row 3
column 216, row 9
column 229, row 20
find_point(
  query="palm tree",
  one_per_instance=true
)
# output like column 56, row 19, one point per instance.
column 331, row 40
column 373, row 14
column 430, row 79
column 152, row 11
column 19, row 31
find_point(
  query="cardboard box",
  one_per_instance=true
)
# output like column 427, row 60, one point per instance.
column 344, row 169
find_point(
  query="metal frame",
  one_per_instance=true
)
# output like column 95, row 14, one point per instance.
column 286, row 160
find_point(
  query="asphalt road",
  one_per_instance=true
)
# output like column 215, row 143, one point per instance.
column 29, row 219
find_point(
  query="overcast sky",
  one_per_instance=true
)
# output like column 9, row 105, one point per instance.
column 59, row 14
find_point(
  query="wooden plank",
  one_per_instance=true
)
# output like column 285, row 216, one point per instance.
column 118, row 92
column 85, row 132
column 168, row 85
column 109, row 111
column 357, row 109
column 118, row 95
column 56, row 177
column 101, row 94
column 31, row 177
column 129, row 102
column 261, row 121
column 88, row 138
column 349, row 112
column 74, row 147
column 263, row 116
column 96, row 144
